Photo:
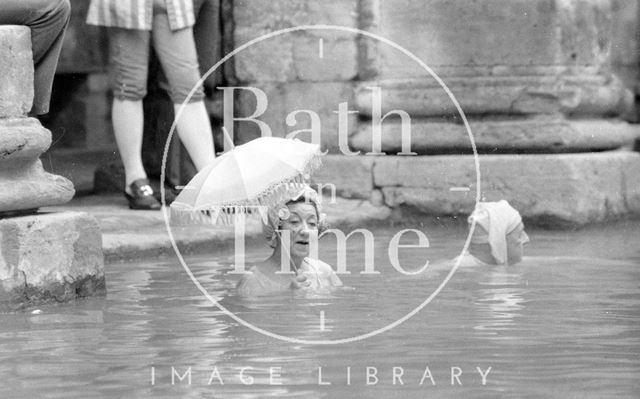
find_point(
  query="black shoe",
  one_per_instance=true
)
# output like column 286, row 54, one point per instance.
column 142, row 196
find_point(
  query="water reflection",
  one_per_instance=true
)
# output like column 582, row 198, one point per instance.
column 502, row 302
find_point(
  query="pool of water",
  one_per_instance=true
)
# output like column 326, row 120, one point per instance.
column 563, row 323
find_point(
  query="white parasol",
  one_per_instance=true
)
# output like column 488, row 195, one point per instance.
column 247, row 179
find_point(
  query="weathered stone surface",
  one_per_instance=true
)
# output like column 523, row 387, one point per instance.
column 295, row 55
column 624, row 56
column 24, row 184
column 554, row 189
column 321, row 98
column 351, row 176
column 631, row 183
column 534, row 135
column 253, row 18
column 304, row 56
column 591, row 95
column 30, row 187
column 21, row 139
column 50, row 257
column 16, row 66
column 493, row 33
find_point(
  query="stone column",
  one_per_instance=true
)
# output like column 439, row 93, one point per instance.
column 532, row 77
column 528, row 75
column 24, row 185
column 50, row 256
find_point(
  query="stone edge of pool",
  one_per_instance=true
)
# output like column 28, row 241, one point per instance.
column 559, row 190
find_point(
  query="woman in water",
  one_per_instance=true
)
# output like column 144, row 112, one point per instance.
column 290, row 230
column 498, row 237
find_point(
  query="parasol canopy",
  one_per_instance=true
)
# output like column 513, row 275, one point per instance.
column 246, row 179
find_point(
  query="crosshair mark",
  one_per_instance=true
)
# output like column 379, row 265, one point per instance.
column 322, row 320
column 321, row 48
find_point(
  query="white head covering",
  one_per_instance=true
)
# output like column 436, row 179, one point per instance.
column 498, row 219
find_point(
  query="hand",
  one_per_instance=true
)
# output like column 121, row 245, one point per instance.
column 300, row 281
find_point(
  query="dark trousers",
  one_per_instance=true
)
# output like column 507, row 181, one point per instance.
column 47, row 20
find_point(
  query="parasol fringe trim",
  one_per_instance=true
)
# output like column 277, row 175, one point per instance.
column 225, row 214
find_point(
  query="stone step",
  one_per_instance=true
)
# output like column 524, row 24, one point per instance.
column 542, row 135
column 548, row 189
column 593, row 95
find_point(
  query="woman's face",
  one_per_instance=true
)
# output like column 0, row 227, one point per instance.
column 302, row 220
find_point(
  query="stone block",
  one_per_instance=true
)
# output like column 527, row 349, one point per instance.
column 631, row 182
column 267, row 61
column 493, row 33
column 295, row 55
column 351, row 176
column 573, row 189
column 50, row 257
column 330, row 57
column 539, row 135
column 625, row 36
column 283, row 99
column 16, row 64
column 252, row 18
column 303, row 56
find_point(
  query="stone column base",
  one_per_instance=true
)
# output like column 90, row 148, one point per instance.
column 492, row 135
column 24, row 184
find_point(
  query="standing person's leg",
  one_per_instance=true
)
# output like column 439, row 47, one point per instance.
column 129, row 58
column 177, row 53
column 47, row 20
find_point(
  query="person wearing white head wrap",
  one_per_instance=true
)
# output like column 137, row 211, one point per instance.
column 290, row 228
column 498, row 225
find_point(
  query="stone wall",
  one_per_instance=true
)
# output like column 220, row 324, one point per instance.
column 532, row 77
